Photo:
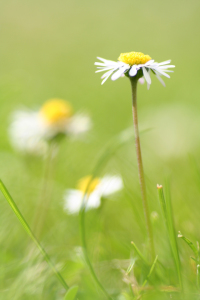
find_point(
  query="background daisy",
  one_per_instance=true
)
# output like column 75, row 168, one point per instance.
column 30, row 131
column 95, row 189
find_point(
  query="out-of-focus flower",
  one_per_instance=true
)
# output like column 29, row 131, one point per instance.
column 94, row 188
column 131, row 64
column 31, row 130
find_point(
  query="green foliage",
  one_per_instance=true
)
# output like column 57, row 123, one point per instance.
column 30, row 233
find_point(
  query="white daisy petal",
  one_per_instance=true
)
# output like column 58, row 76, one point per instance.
column 94, row 200
column 107, row 75
column 72, row 201
column 26, row 132
column 149, row 63
column 110, row 185
column 166, row 67
column 99, row 64
column 78, row 124
column 146, row 75
column 164, row 62
column 107, row 62
column 162, row 73
column 160, row 79
column 133, row 70
column 119, row 73
column 105, row 69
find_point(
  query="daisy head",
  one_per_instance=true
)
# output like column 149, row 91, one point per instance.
column 94, row 189
column 56, row 112
column 133, row 64
column 30, row 131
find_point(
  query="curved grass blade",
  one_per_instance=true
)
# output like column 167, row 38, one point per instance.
column 71, row 293
column 189, row 243
column 30, row 233
column 196, row 253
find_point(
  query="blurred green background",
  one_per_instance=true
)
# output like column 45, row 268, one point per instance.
column 48, row 49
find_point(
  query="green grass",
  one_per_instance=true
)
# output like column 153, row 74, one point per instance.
column 48, row 49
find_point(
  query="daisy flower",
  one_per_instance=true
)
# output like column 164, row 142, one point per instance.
column 95, row 189
column 30, row 131
column 133, row 64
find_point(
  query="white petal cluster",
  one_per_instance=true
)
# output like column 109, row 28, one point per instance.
column 29, row 132
column 118, row 69
column 108, row 185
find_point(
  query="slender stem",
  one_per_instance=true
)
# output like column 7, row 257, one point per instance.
column 140, row 165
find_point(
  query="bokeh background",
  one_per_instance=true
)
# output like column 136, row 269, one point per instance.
column 48, row 49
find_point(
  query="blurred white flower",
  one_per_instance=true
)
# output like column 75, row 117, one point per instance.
column 30, row 130
column 94, row 189
column 130, row 64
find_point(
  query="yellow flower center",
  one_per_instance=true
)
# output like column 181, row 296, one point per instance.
column 134, row 58
column 56, row 111
column 87, row 184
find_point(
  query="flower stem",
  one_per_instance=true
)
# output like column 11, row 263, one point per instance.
column 140, row 165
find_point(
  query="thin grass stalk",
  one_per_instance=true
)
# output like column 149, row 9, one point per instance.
column 169, row 220
column 139, row 253
column 133, row 81
column 151, row 271
column 31, row 234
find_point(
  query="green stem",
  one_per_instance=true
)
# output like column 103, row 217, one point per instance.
column 30, row 233
column 134, row 80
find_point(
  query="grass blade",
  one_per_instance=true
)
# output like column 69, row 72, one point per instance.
column 162, row 201
column 189, row 243
column 140, row 254
column 30, row 233
column 168, row 216
column 150, row 272
column 71, row 293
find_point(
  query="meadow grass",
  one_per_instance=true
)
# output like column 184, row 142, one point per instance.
column 48, row 50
